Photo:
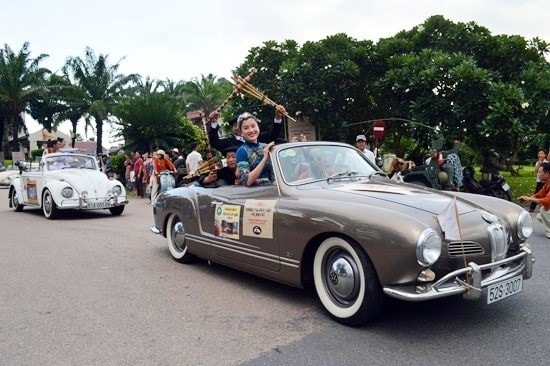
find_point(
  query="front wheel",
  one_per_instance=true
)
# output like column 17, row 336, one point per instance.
column 176, row 240
column 117, row 210
column 49, row 208
column 346, row 282
column 17, row 207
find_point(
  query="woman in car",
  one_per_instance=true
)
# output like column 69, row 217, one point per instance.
column 253, row 162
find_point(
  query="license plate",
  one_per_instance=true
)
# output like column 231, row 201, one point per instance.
column 97, row 204
column 504, row 289
column 506, row 187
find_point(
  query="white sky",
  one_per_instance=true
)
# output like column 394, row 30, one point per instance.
column 185, row 39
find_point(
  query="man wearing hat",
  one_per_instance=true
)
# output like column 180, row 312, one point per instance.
column 179, row 163
column 160, row 164
column 225, row 175
column 361, row 144
column 235, row 139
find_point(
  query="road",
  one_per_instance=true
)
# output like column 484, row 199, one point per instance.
column 94, row 289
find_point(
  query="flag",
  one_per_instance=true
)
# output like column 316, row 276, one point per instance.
column 448, row 220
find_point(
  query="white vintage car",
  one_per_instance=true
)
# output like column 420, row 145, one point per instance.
column 65, row 181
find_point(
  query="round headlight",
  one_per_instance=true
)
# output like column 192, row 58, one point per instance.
column 117, row 190
column 428, row 247
column 67, row 192
column 525, row 225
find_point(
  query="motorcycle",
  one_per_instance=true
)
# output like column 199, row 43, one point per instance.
column 491, row 184
column 167, row 181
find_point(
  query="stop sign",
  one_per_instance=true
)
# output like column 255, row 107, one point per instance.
column 378, row 129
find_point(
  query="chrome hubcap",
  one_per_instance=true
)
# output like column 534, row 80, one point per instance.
column 342, row 278
column 47, row 203
column 178, row 235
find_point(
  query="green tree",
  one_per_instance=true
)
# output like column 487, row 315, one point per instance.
column 21, row 81
column 47, row 106
column 152, row 120
column 101, row 85
column 460, row 79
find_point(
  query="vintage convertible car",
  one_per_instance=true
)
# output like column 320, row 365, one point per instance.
column 66, row 180
column 7, row 175
column 333, row 219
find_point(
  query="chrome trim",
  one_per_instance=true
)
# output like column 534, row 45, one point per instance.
column 451, row 284
column 458, row 249
column 154, row 230
column 244, row 251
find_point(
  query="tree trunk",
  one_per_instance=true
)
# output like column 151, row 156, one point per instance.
column 73, row 134
column 99, row 131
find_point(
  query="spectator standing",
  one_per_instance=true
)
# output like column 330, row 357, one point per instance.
column 542, row 157
column 148, row 172
column 194, row 159
column 179, row 163
column 128, row 172
column 361, row 144
column 542, row 197
column 138, row 172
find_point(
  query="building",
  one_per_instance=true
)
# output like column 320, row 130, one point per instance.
column 39, row 138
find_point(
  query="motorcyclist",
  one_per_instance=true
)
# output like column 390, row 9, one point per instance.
column 160, row 165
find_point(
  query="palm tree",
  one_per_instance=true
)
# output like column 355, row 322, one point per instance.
column 46, row 108
column 206, row 93
column 21, row 81
column 101, row 85
column 153, row 119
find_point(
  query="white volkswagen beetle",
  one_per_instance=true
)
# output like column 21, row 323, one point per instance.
column 67, row 180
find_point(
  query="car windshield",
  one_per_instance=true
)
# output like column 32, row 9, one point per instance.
column 312, row 163
column 69, row 161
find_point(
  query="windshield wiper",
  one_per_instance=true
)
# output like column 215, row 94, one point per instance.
column 343, row 174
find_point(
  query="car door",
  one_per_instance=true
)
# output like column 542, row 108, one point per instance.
column 31, row 186
column 241, row 223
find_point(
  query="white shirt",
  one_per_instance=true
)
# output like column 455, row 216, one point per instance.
column 370, row 155
column 193, row 161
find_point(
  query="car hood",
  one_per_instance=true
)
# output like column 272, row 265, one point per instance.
column 415, row 197
column 83, row 180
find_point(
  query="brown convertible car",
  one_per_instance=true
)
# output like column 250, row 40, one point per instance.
column 333, row 219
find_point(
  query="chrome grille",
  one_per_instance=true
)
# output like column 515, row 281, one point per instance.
column 499, row 246
column 457, row 249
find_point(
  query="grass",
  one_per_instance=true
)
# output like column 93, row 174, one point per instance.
column 524, row 183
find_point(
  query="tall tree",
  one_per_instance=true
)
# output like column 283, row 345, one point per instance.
column 205, row 93
column 151, row 120
column 47, row 106
column 21, row 81
column 101, row 86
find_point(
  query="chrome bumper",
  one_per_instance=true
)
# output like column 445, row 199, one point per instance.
column 82, row 204
column 473, row 284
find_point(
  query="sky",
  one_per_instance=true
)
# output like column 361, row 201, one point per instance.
column 183, row 39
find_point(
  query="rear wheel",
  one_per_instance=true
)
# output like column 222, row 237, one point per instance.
column 49, row 208
column 177, row 240
column 346, row 282
column 17, row 207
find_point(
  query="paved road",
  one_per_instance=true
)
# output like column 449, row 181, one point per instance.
column 93, row 289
